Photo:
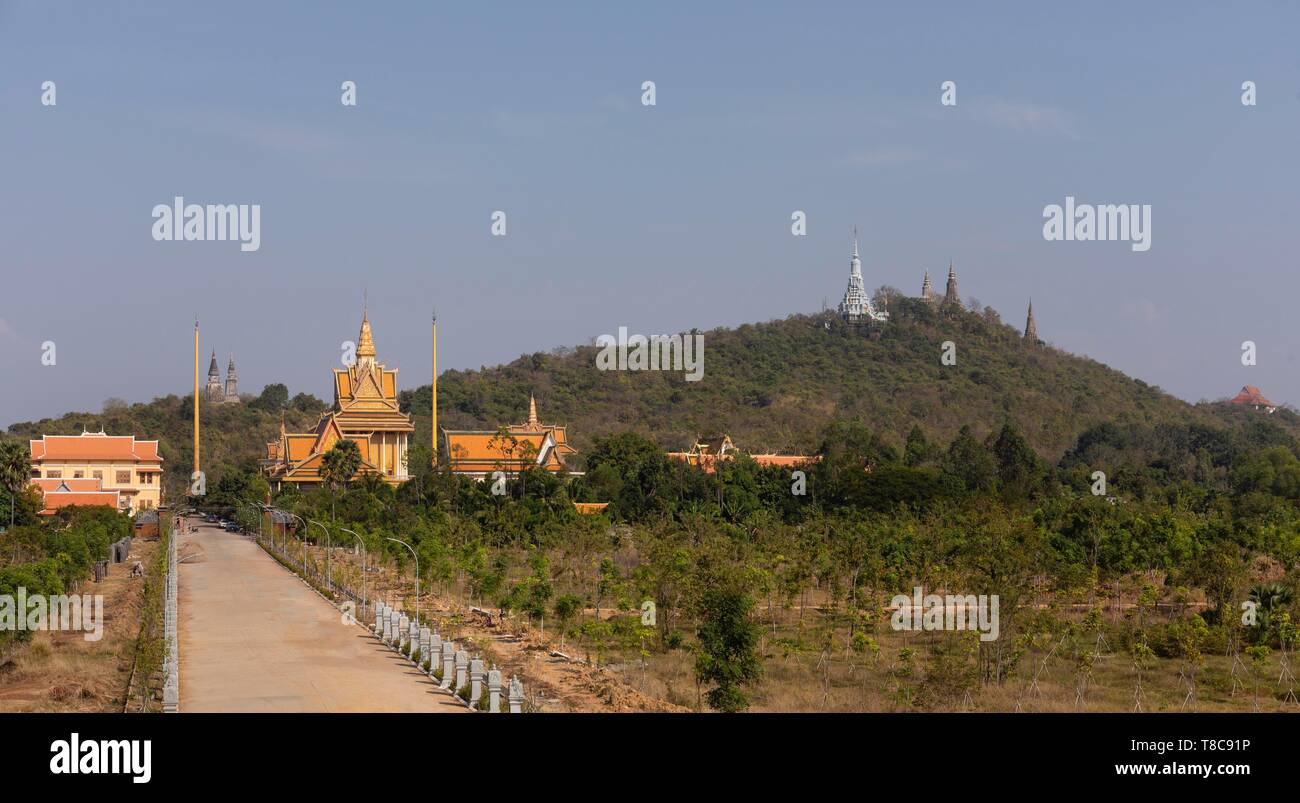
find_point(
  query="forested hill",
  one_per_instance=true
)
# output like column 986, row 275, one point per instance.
column 773, row 386
column 777, row 386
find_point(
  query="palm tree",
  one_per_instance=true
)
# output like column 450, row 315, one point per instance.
column 1269, row 598
column 339, row 465
column 15, row 471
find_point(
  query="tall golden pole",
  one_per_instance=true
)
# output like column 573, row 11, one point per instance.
column 434, row 404
column 196, row 394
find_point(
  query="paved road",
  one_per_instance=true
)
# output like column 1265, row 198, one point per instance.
column 254, row 638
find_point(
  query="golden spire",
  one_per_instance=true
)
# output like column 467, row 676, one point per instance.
column 365, row 341
column 532, row 410
column 433, row 404
column 196, row 395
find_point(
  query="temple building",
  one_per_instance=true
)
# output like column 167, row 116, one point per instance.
column 1251, row 396
column 706, row 452
column 95, row 468
column 927, row 290
column 214, row 391
column 365, row 411
column 856, row 308
column 513, row 448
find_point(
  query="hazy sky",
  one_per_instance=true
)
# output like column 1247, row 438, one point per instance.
column 656, row 218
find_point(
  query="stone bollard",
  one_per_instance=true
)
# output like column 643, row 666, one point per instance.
column 435, row 651
column 462, row 670
column 426, row 636
column 475, row 681
column 494, row 690
column 379, row 617
column 400, row 635
column 388, row 625
column 448, row 664
column 516, row 696
column 413, row 637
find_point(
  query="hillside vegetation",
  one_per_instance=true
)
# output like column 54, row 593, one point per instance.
column 774, row 387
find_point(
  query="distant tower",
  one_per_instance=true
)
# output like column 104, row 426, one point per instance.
column 927, row 290
column 232, row 385
column 856, row 306
column 433, row 404
column 532, row 410
column 1031, row 328
column 951, row 296
column 196, row 395
column 213, row 391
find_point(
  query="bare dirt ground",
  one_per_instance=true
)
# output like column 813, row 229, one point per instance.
column 59, row 671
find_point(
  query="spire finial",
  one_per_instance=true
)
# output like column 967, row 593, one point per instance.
column 365, row 340
column 532, row 409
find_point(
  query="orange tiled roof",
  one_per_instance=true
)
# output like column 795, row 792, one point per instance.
column 94, row 446
column 708, row 451
column 1250, row 395
column 466, row 448
column 59, row 499
column 589, row 508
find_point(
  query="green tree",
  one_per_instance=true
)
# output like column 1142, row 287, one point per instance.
column 728, row 651
column 15, row 474
column 339, row 466
column 566, row 607
column 1017, row 462
column 274, row 398
column 917, row 451
column 970, row 464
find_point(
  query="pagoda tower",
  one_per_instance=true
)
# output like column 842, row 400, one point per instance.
column 951, row 296
column 232, row 383
column 927, row 290
column 1031, row 328
column 856, row 306
column 213, row 390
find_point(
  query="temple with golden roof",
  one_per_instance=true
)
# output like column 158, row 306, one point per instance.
column 510, row 449
column 365, row 411
column 706, row 452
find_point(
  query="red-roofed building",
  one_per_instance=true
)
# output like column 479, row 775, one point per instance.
column 1250, row 395
column 65, row 495
column 99, row 469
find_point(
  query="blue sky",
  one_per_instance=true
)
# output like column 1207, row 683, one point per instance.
column 656, row 218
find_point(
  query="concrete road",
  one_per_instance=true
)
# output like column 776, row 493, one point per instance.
column 254, row 638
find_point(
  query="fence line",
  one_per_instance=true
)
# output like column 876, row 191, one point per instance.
column 171, row 663
column 469, row 679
